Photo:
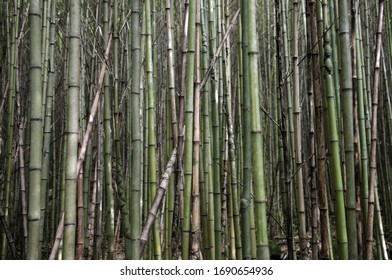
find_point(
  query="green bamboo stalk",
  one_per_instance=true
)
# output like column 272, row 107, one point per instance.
column 91, row 224
column 45, row 51
column 48, row 117
column 234, row 197
column 19, row 201
column 287, row 130
column 362, row 131
column 151, row 126
column 388, row 206
column 314, row 221
column 288, row 82
column 367, row 100
column 23, row 187
column 169, row 203
column 72, row 131
column 388, row 30
column 257, row 139
column 284, row 161
column 144, row 122
column 181, row 121
column 220, row 156
column 189, row 104
column 207, row 145
column 215, row 134
column 97, row 238
column 348, row 122
column 336, row 173
column 117, row 156
column 298, row 134
column 126, row 88
column 172, row 116
column 357, row 161
column 63, row 149
column 83, row 196
column 35, row 165
column 387, row 112
column 247, row 154
column 108, row 143
column 335, row 61
column 136, row 132
column 228, row 251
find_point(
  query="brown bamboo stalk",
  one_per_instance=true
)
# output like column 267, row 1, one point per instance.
column 152, row 213
column 94, row 108
column 373, row 159
column 219, row 49
column 195, row 222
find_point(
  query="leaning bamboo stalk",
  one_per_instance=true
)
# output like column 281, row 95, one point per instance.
column 94, row 108
column 153, row 212
column 218, row 50
column 59, row 237
column 380, row 227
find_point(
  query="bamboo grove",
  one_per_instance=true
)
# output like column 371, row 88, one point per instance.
column 195, row 129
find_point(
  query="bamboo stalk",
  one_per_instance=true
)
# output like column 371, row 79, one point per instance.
column 373, row 162
column 35, row 165
column 257, row 140
column 153, row 212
